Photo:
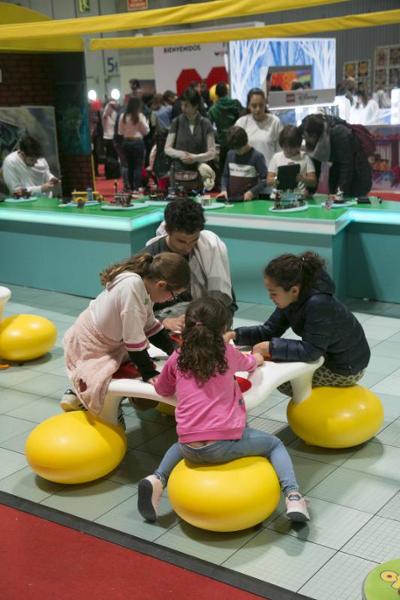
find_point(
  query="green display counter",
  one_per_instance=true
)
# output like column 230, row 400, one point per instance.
column 49, row 247
column 62, row 248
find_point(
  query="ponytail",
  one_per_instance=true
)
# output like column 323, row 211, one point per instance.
column 203, row 348
column 166, row 266
column 288, row 270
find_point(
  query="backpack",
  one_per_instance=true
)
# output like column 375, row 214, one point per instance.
column 365, row 138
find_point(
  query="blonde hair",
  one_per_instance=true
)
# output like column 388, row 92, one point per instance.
column 167, row 266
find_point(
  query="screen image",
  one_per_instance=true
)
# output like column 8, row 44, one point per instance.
column 281, row 78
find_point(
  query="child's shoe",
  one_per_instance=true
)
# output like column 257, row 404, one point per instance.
column 296, row 507
column 149, row 497
column 70, row 401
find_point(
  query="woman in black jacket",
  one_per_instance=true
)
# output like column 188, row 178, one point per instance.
column 330, row 139
column 303, row 293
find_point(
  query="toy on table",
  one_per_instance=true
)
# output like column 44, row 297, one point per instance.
column 288, row 194
column 123, row 199
column 87, row 197
column 21, row 193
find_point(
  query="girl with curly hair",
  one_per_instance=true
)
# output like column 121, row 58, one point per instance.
column 210, row 412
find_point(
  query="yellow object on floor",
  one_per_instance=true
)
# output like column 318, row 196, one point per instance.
column 225, row 497
column 333, row 417
column 26, row 337
column 75, row 447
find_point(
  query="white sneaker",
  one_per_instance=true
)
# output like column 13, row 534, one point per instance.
column 296, row 507
column 149, row 497
column 70, row 401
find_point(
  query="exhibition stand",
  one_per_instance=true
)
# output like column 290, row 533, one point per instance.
column 65, row 249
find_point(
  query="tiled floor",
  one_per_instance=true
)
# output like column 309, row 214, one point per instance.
column 354, row 494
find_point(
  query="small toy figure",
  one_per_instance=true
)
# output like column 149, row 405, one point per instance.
column 123, row 199
column 22, row 193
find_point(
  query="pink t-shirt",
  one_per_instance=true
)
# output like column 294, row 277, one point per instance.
column 213, row 411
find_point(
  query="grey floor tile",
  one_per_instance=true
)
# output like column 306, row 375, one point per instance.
column 43, row 384
column 37, row 411
column 391, row 510
column 208, row 545
column 310, row 472
column 278, row 428
column 391, row 434
column 378, row 540
column 383, row 364
column 25, row 484
column 138, row 432
column 330, row 525
column 376, row 459
column 279, row 559
column 387, row 348
column 135, row 466
column 388, row 385
column 391, row 405
column 327, row 455
column 16, row 375
column 10, row 399
column 10, row 462
column 277, row 412
column 90, row 500
column 355, row 490
column 16, row 443
column 259, row 313
column 341, row 578
column 159, row 444
column 125, row 517
column 371, row 379
column 11, row 426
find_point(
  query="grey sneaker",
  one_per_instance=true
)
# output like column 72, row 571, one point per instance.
column 70, row 401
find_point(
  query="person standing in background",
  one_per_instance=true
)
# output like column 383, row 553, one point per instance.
column 133, row 127
column 262, row 127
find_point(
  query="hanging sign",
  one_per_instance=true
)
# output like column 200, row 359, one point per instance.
column 137, row 4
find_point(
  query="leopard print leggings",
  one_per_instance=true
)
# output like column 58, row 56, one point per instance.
column 324, row 377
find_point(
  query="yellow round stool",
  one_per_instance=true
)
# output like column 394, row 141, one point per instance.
column 75, row 447
column 224, row 497
column 334, row 417
column 26, row 337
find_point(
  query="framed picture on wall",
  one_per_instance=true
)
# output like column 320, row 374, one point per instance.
column 387, row 67
column 361, row 71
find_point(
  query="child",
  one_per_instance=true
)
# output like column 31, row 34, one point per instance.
column 245, row 168
column 118, row 323
column 210, row 412
column 303, row 293
column 290, row 140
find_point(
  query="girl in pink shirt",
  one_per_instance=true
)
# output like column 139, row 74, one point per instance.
column 210, row 412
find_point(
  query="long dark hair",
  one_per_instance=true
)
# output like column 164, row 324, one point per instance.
column 133, row 109
column 166, row 266
column 203, row 349
column 288, row 270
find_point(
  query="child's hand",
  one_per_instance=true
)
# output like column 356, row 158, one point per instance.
column 223, row 194
column 248, row 196
column 229, row 335
column 152, row 380
column 175, row 324
column 263, row 349
column 259, row 359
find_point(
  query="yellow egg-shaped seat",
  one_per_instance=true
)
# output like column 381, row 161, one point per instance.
column 224, row 497
column 26, row 337
column 75, row 447
column 334, row 417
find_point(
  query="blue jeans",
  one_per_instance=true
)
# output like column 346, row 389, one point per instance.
column 134, row 155
column 252, row 443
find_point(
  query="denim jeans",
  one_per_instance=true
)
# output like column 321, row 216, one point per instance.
column 252, row 443
column 134, row 155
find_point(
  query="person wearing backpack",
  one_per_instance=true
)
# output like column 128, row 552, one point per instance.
column 346, row 147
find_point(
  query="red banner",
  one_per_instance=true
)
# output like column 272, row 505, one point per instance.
column 137, row 4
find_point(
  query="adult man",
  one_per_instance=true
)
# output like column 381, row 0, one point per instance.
column 224, row 113
column 25, row 169
column 206, row 253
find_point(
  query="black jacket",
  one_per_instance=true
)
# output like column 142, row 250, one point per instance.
column 326, row 326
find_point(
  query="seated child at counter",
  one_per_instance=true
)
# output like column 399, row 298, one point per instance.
column 210, row 413
column 304, row 297
column 245, row 168
column 290, row 141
